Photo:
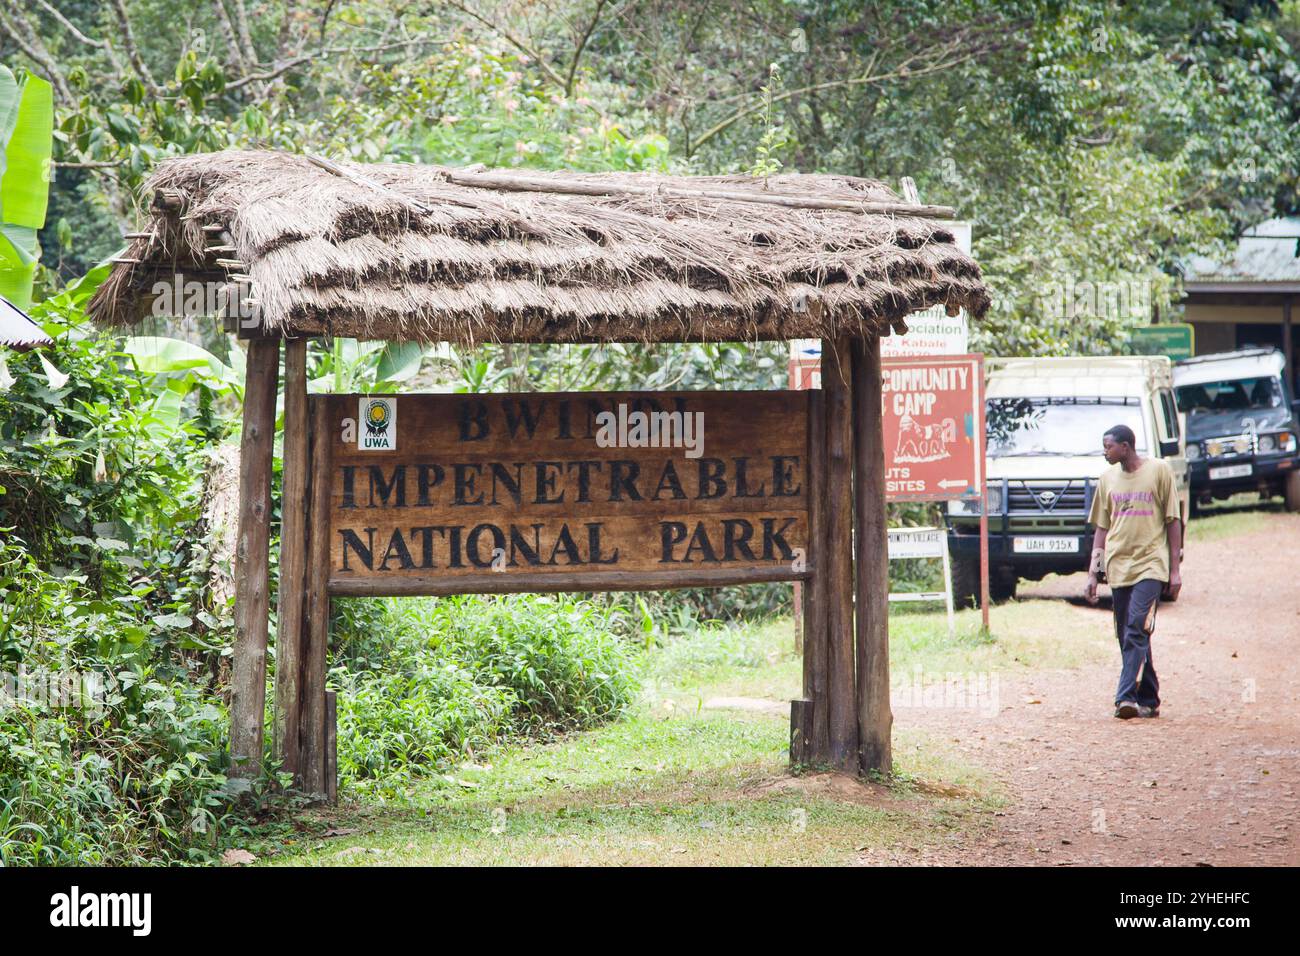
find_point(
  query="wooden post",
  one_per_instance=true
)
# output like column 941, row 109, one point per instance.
column 331, row 733
column 293, row 556
column 796, row 605
column 252, row 591
column 814, row 597
column 871, row 561
column 836, row 562
column 801, row 717
column 312, row 765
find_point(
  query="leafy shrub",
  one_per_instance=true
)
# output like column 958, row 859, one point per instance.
column 397, row 725
column 364, row 632
column 462, row 673
column 560, row 656
column 136, row 786
column 132, row 773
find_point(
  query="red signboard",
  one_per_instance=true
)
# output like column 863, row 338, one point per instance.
column 933, row 427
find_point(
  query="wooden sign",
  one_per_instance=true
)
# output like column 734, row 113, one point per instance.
column 443, row 494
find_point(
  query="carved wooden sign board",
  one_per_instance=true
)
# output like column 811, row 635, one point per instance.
column 443, row 494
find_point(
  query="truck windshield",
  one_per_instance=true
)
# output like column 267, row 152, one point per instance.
column 1234, row 395
column 1058, row 426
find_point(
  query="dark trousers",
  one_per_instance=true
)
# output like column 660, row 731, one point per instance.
column 1135, row 620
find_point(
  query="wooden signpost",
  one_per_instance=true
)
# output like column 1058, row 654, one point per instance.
column 444, row 494
column 392, row 495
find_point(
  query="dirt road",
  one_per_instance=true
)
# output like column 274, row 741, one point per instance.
column 1212, row 781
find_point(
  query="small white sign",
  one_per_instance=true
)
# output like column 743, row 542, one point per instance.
column 932, row 332
column 377, row 428
column 924, row 543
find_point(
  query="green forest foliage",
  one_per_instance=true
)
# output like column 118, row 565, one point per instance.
column 1089, row 142
column 1092, row 144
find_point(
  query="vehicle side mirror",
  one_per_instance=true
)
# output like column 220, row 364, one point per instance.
column 1169, row 449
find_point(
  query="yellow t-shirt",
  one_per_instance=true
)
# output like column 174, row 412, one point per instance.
column 1134, row 508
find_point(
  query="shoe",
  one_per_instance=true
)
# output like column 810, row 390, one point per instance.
column 1145, row 711
column 1126, row 709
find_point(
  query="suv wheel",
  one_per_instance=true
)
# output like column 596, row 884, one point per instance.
column 965, row 582
column 1293, row 491
column 1002, row 585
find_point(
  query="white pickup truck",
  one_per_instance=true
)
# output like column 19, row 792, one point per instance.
column 1045, row 420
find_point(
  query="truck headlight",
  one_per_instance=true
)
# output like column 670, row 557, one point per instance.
column 1193, row 451
column 1282, row 441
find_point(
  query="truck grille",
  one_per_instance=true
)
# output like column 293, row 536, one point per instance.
column 1046, row 497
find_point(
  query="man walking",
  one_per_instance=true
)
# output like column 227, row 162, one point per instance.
column 1138, row 546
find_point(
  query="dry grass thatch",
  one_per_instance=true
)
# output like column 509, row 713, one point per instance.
column 401, row 252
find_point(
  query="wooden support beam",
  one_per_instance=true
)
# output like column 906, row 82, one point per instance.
column 814, row 590
column 491, row 582
column 292, row 596
column 836, row 564
column 871, row 561
column 554, row 184
column 312, row 765
column 331, row 733
column 252, row 592
column 168, row 199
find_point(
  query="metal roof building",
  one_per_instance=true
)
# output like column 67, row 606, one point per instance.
column 1248, row 300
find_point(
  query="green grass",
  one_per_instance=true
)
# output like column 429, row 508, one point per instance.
column 648, row 790
column 1238, row 515
column 1042, row 633
column 661, row 788
column 681, row 783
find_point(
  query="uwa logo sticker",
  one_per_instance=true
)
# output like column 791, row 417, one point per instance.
column 378, row 418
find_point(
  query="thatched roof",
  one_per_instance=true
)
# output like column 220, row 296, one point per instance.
column 409, row 252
